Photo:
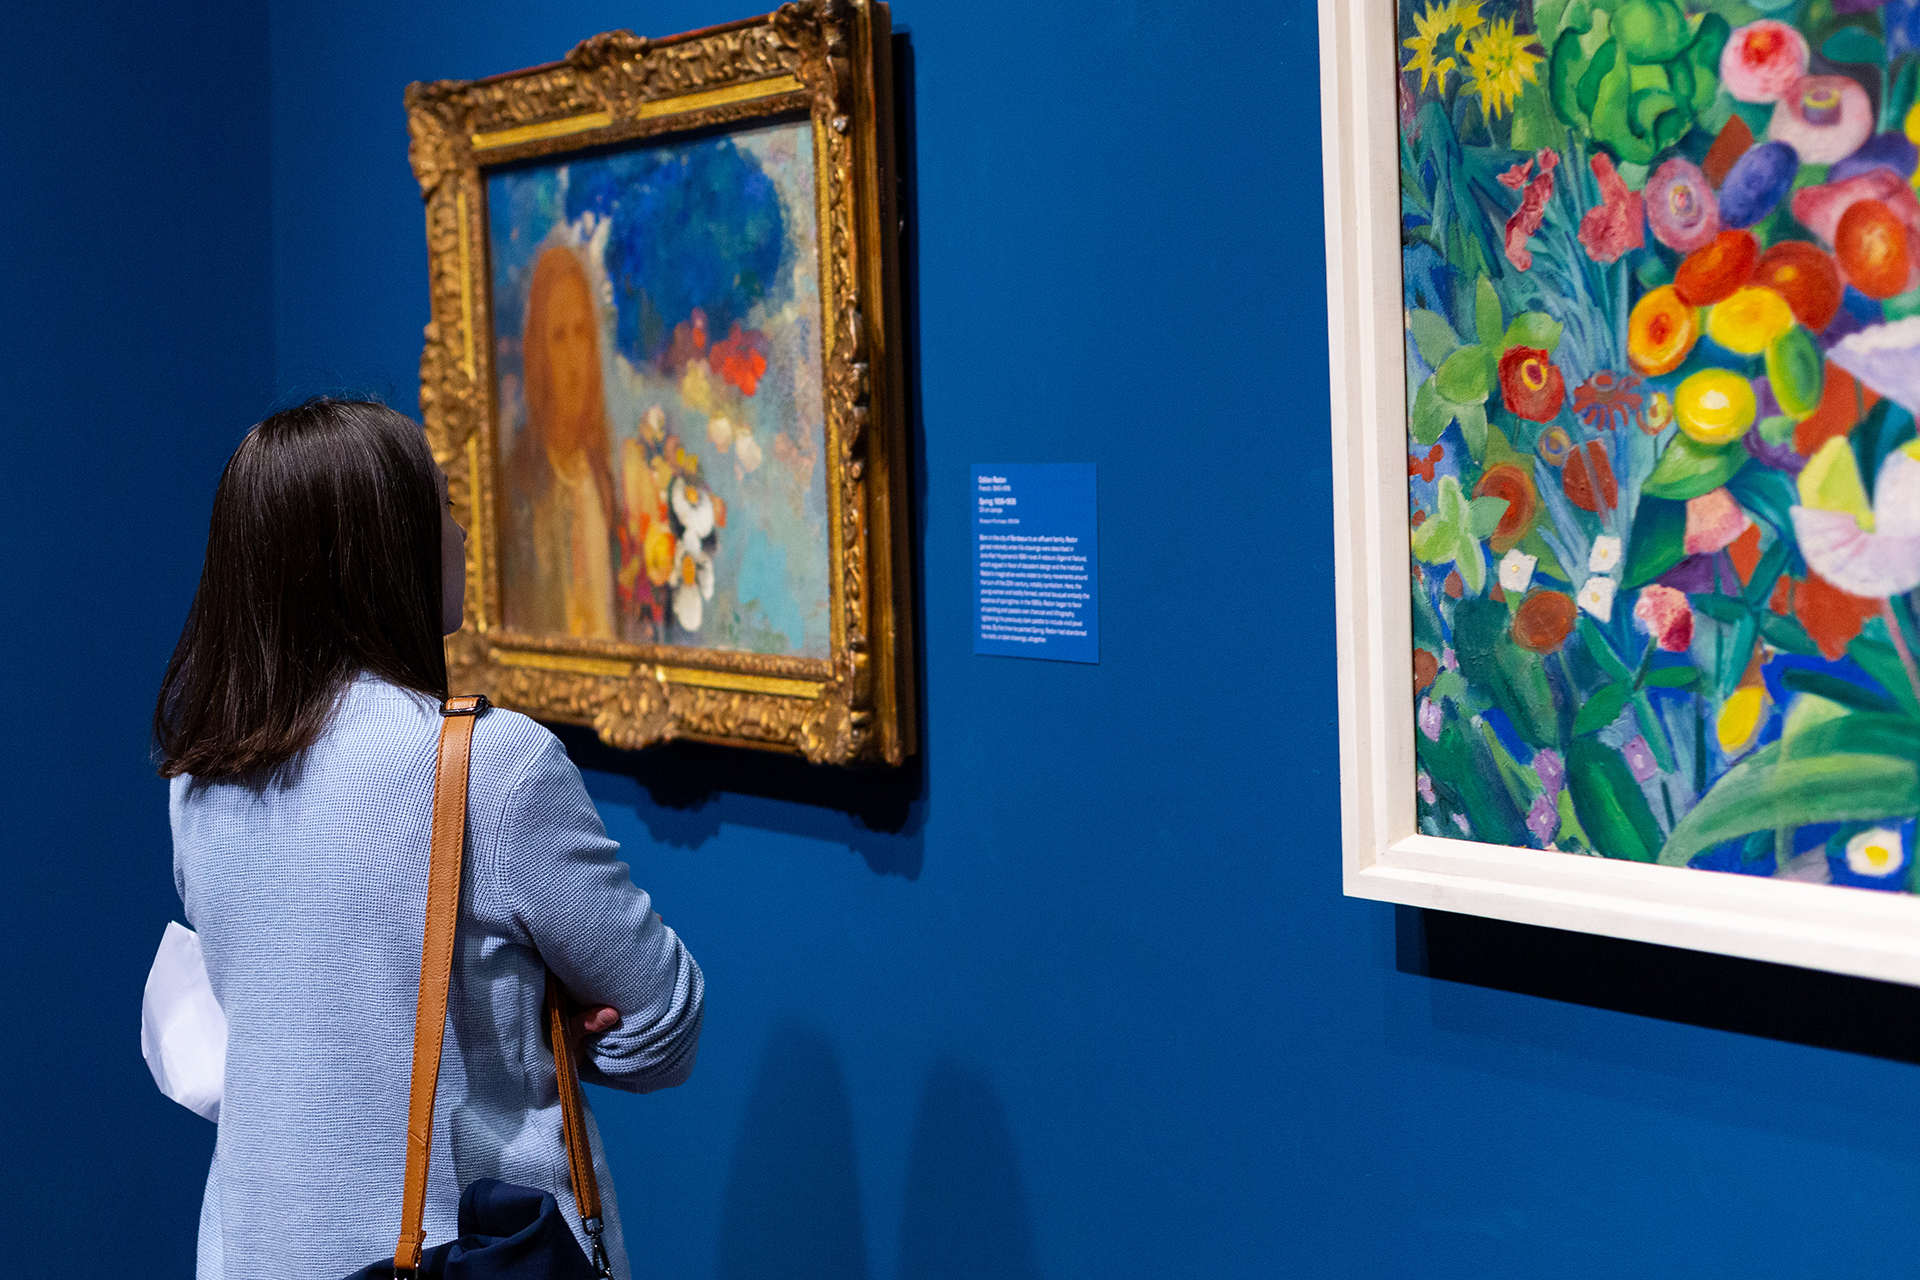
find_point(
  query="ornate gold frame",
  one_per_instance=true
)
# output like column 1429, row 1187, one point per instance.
column 830, row 60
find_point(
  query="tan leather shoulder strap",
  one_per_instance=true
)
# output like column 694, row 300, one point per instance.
column 436, row 962
column 586, row 1187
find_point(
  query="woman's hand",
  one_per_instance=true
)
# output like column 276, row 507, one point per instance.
column 592, row 1020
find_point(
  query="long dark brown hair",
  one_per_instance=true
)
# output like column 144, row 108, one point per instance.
column 323, row 561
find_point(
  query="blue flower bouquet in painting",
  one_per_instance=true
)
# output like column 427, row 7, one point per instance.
column 1662, row 289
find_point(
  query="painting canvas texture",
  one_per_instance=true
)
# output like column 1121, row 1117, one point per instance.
column 1661, row 263
column 657, row 330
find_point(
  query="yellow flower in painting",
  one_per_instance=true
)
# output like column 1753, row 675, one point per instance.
column 1429, row 26
column 1501, row 64
column 1466, row 15
column 659, row 547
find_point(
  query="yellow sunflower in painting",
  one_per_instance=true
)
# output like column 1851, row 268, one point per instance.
column 1501, row 64
column 1430, row 26
column 1431, row 48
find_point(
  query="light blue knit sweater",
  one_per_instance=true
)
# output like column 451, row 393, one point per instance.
column 309, row 900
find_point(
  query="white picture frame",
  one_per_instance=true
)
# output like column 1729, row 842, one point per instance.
column 1386, row 858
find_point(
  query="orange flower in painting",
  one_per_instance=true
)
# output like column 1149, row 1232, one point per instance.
column 1831, row 616
column 1843, row 402
column 1516, row 486
column 1588, row 479
column 1714, row 272
column 1423, row 467
column 740, row 358
column 1544, row 620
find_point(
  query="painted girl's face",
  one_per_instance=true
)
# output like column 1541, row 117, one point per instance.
column 572, row 342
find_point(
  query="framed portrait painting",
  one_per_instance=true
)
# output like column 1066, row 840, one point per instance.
column 663, row 374
column 1625, row 308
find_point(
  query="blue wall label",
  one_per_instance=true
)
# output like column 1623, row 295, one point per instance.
column 1036, row 561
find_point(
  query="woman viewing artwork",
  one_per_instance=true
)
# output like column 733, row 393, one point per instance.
column 299, row 721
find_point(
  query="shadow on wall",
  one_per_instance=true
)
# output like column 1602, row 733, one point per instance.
column 1720, row 993
column 964, row 1215
column 792, row 1207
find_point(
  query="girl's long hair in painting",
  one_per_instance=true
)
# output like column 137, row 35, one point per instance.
column 323, row 561
column 557, row 266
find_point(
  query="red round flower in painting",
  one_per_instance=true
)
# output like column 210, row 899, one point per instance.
column 1588, row 479
column 1530, row 384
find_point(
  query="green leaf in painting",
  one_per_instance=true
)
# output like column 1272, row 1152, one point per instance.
column 1534, row 329
column 1735, row 655
column 1885, row 428
column 1600, row 709
column 1659, row 541
column 1602, row 651
column 1787, row 635
column 1438, row 538
column 1486, row 515
column 1858, row 733
column 1688, row 469
column 1487, row 321
column 1431, row 414
column 1766, row 572
column 1851, row 44
column 1462, row 376
column 1766, row 792
column 1877, row 658
column 1720, row 608
column 1473, row 428
column 1684, row 677
column 1432, row 335
column 1609, row 802
column 1515, row 677
column 1834, row 689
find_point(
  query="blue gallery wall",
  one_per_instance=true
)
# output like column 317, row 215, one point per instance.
column 1078, row 997
column 135, row 345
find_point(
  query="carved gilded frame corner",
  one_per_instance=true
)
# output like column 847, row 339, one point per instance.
column 828, row 60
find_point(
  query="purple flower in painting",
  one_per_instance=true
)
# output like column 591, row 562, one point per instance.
column 1639, row 758
column 1843, row 7
column 1466, row 828
column 1430, row 719
column 1543, row 819
column 1551, row 770
column 1423, row 783
column 1449, row 659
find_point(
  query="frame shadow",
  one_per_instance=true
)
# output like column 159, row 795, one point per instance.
column 1697, row 988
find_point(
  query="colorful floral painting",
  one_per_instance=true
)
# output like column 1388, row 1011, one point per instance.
column 662, row 425
column 1662, row 290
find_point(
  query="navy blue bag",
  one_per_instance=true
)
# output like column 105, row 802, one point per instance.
column 507, row 1232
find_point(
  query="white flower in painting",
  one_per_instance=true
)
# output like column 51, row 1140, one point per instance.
column 1871, row 551
column 692, row 584
column 1876, row 853
column 1597, row 597
column 746, row 450
column 694, row 507
column 720, row 431
column 653, row 425
column 1605, row 554
column 1516, row 570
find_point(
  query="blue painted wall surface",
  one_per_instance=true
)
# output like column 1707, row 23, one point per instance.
column 1097, row 1008
column 135, row 346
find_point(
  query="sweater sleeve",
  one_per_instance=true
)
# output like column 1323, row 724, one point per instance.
column 561, row 878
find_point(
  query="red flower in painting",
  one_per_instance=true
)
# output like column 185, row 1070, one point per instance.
column 1530, row 384
column 1611, row 228
column 1533, row 205
column 1588, row 479
column 740, row 358
column 1423, row 467
column 1608, row 399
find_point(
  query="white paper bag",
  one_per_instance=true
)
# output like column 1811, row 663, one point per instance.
column 183, row 1033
